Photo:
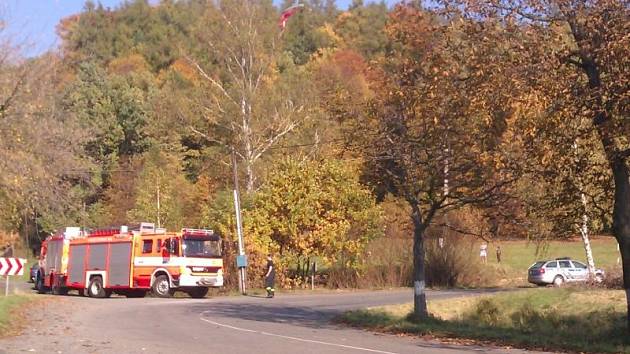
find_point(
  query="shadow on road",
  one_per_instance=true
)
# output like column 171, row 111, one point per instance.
column 313, row 311
column 270, row 313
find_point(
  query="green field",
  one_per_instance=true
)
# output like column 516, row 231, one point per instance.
column 517, row 256
column 521, row 254
column 551, row 319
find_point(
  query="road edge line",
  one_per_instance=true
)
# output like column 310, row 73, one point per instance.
column 292, row 338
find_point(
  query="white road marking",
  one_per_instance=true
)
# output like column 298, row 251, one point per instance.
column 292, row 338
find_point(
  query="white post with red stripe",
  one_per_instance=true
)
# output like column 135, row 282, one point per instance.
column 10, row 267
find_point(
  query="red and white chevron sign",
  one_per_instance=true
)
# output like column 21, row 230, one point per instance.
column 12, row 266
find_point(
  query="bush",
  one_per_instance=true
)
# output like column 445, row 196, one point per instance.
column 486, row 312
column 390, row 263
column 387, row 260
column 613, row 279
column 453, row 264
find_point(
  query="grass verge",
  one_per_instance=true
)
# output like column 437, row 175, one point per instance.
column 10, row 308
column 550, row 319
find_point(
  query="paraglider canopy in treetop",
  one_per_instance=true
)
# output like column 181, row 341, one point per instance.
column 288, row 12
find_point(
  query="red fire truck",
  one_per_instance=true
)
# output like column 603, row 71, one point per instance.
column 131, row 262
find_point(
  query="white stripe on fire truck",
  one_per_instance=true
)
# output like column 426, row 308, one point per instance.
column 176, row 261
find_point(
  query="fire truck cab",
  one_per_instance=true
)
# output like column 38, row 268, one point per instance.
column 131, row 263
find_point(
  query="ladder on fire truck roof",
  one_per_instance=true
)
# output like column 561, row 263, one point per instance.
column 200, row 232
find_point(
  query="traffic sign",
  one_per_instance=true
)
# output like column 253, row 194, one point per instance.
column 12, row 266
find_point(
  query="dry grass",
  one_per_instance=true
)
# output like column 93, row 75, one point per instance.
column 10, row 307
column 571, row 319
column 445, row 309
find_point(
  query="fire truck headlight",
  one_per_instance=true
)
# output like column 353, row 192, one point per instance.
column 220, row 272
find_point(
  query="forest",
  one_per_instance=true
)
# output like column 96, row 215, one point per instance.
column 360, row 136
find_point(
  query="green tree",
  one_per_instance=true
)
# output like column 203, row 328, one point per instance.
column 158, row 33
column 306, row 34
column 114, row 108
column 362, row 28
column 163, row 195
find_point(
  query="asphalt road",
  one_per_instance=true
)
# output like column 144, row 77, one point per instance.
column 240, row 325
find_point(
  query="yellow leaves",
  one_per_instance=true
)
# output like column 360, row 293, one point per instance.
column 310, row 208
column 327, row 31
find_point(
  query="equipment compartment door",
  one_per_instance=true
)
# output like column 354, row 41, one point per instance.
column 98, row 254
column 77, row 264
column 119, row 264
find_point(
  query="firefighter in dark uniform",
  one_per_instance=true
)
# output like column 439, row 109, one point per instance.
column 270, row 277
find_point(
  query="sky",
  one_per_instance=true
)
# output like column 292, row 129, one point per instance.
column 32, row 22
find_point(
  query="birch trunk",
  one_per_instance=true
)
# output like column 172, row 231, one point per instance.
column 586, row 240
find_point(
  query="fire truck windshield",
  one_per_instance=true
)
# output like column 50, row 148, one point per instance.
column 201, row 247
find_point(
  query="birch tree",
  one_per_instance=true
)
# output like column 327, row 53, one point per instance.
column 254, row 96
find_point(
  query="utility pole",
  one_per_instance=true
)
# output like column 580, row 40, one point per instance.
column 241, row 260
column 159, row 221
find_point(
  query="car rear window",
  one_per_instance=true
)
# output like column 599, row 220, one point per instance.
column 538, row 264
column 552, row 265
column 565, row 264
column 579, row 265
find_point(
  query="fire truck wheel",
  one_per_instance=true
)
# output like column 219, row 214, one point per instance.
column 95, row 288
column 198, row 293
column 162, row 287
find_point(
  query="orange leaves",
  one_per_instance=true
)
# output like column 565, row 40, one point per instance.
column 186, row 70
column 128, row 64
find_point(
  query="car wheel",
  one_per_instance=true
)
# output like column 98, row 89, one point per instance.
column 599, row 278
column 558, row 280
column 95, row 288
column 162, row 287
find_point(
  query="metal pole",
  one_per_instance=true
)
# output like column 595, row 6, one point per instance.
column 6, row 286
column 159, row 221
column 314, row 267
column 239, row 227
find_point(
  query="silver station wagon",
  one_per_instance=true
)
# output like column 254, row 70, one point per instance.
column 559, row 271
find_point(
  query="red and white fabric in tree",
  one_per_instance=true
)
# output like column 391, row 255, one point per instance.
column 12, row 266
column 288, row 12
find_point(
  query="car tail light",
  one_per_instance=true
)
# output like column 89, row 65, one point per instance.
column 542, row 271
